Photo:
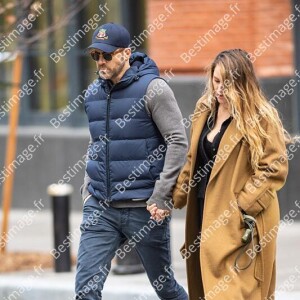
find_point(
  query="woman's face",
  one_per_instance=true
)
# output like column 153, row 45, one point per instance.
column 219, row 86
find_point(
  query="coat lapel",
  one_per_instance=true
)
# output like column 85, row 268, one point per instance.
column 228, row 142
column 198, row 127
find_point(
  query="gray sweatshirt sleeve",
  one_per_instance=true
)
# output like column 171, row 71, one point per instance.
column 167, row 116
column 84, row 188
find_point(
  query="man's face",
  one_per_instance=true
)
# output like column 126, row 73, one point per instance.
column 110, row 65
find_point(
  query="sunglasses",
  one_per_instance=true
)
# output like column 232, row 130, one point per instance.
column 107, row 56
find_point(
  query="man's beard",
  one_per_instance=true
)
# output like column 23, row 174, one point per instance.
column 109, row 74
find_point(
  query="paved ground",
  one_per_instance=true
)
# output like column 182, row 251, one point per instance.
column 49, row 285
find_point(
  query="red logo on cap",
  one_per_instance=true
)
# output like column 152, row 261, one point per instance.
column 101, row 35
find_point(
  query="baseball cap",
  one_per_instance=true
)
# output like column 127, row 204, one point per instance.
column 109, row 37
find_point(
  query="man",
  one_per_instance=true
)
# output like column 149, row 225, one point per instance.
column 137, row 148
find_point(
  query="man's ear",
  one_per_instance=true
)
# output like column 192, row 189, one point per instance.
column 124, row 55
column 127, row 52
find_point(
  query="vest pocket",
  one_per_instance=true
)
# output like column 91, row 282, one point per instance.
column 150, row 172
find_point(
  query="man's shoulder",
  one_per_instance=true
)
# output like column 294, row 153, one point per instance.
column 159, row 87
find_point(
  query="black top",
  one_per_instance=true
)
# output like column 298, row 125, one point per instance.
column 206, row 154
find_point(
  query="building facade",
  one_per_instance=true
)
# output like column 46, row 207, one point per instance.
column 182, row 36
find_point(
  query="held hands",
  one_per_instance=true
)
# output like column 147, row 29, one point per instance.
column 157, row 214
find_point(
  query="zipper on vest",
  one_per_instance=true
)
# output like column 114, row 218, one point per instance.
column 107, row 146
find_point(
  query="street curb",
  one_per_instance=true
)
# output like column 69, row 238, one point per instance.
column 58, row 286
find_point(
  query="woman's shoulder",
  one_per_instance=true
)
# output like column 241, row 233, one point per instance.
column 202, row 105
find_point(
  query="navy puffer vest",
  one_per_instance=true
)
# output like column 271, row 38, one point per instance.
column 127, row 151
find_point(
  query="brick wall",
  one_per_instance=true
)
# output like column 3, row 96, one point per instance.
column 176, row 25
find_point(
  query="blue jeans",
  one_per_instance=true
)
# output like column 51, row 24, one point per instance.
column 104, row 229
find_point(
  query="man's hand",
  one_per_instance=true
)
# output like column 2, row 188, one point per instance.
column 157, row 214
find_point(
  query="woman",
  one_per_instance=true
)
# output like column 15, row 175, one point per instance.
column 236, row 163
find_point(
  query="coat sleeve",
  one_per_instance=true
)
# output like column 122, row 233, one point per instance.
column 180, row 192
column 269, row 177
column 182, row 187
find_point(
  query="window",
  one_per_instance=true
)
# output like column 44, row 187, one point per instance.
column 59, row 54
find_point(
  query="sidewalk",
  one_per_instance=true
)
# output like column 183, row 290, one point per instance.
column 59, row 286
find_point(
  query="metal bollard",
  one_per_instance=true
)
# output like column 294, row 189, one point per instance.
column 129, row 264
column 60, row 194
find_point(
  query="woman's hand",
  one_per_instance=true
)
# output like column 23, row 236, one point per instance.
column 157, row 214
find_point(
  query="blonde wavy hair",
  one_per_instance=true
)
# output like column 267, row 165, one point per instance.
column 246, row 101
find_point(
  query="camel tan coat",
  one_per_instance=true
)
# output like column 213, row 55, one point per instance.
column 210, row 257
